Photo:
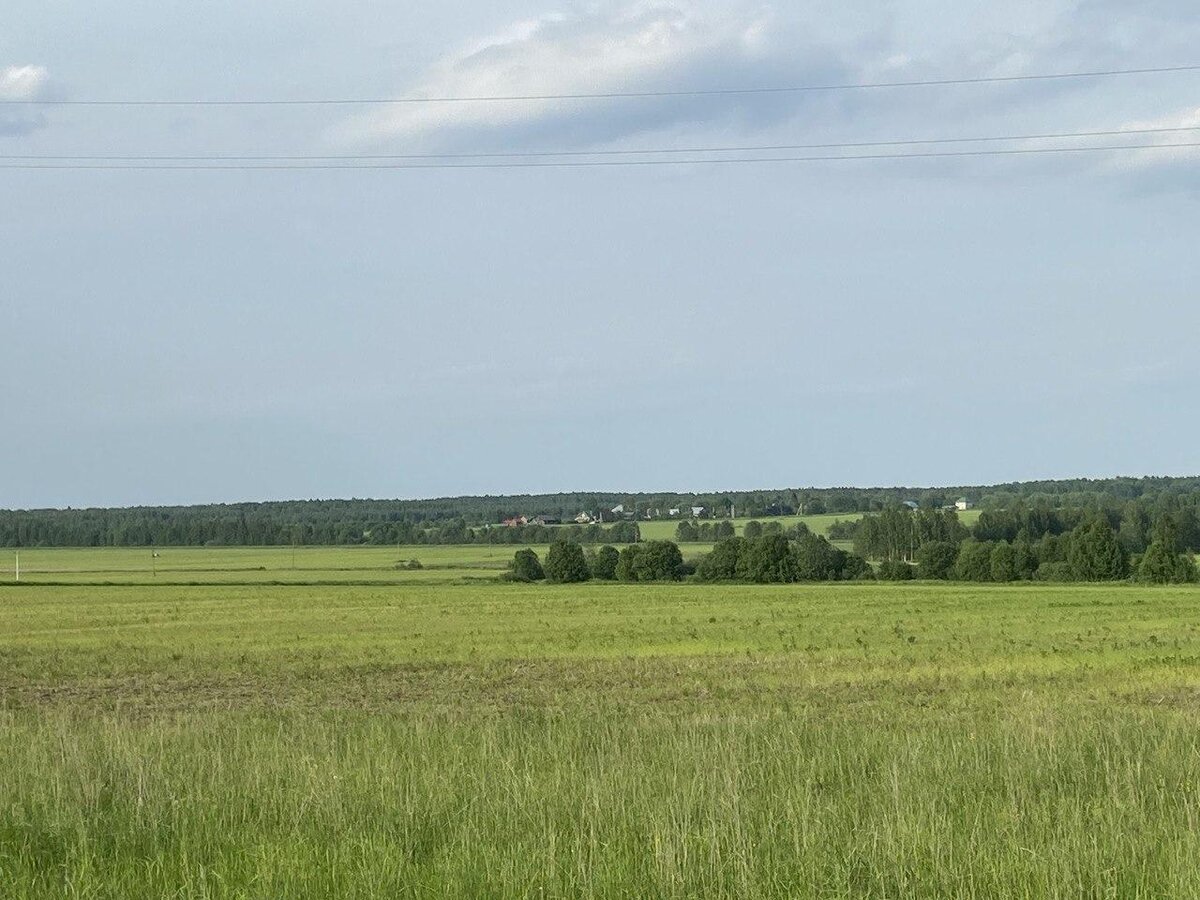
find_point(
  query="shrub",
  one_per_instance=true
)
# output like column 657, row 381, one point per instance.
column 896, row 570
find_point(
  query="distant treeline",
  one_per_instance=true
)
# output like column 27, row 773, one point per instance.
column 1149, row 539
column 242, row 529
column 469, row 519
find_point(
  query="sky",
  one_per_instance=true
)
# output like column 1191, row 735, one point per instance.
column 204, row 336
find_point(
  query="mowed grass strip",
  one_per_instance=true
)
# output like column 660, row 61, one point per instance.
column 254, row 565
column 77, row 632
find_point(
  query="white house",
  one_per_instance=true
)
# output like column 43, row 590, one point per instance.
column 673, row 512
column 963, row 504
column 697, row 512
column 584, row 518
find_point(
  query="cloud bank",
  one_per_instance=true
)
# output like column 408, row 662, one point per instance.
column 645, row 47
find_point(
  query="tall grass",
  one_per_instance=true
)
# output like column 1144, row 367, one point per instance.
column 1035, row 803
column 602, row 742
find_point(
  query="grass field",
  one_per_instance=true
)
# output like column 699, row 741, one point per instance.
column 241, row 565
column 491, row 740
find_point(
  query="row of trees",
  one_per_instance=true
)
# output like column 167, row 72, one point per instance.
column 689, row 532
column 776, row 559
column 1090, row 552
column 567, row 563
column 767, row 559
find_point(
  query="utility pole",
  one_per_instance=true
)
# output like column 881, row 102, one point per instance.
column 18, row 565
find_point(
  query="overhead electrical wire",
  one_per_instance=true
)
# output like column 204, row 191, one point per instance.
column 581, row 164
column 651, row 151
column 608, row 95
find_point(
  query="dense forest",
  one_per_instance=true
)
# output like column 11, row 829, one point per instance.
column 1129, row 504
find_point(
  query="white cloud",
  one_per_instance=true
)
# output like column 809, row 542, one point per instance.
column 646, row 47
column 23, row 82
column 1182, row 119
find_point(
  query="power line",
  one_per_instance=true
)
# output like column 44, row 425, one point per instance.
column 652, row 151
column 300, row 166
column 612, row 95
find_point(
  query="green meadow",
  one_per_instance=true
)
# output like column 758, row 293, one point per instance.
column 255, row 565
column 457, row 738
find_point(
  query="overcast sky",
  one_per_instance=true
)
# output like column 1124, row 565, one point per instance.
column 211, row 336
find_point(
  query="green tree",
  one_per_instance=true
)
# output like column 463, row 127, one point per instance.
column 1095, row 554
column 658, row 561
column 565, row 563
column 752, row 530
column 725, row 561
column 604, row 564
column 1162, row 563
column 935, row 560
column 974, row 561
column 686, row 532
column 1187, row 524
column 627, row 562
column 1004, row 562
column 819, row 560
column 526, row 566
column 770, row 560
column 1025, row 559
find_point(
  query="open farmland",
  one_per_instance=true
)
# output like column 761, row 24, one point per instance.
column 478, row 739
column 256, row 565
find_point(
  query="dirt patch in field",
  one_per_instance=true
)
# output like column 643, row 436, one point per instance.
column 704, row 683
